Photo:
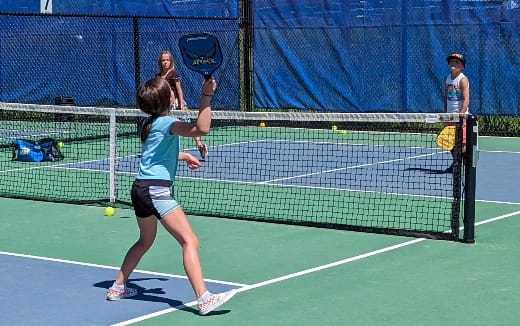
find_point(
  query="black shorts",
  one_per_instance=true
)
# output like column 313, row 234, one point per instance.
column 152, row 197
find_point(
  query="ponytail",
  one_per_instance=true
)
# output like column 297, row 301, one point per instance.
column 153, row 98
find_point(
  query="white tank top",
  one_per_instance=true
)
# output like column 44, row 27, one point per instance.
column 454, row 99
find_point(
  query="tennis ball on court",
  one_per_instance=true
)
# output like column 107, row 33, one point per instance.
column 110, row 211
column 60, row 144
column 262, row 124
column 344, row 132
column 334, row 128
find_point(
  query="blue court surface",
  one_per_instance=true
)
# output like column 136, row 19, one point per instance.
column 55, row 302
column 499, row 178
column 299, row 167
column 310, row 164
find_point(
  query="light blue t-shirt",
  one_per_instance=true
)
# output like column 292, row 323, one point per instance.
column 160, row 151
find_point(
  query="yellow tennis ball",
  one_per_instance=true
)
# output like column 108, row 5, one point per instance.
column 344, row 132
column 262, row 124
column 60, row 144
column 334, row 128
column 110, row 211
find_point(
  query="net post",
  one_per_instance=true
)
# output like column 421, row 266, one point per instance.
column 137, row 60
column 471, row 158
column 112, row 156
column 247, row 25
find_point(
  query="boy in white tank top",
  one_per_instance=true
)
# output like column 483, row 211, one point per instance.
column 456, row 93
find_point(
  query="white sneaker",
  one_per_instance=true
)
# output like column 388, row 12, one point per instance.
column 215, row 301
column 115, row 294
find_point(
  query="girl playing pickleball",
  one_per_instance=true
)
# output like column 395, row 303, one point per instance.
column 151, row 194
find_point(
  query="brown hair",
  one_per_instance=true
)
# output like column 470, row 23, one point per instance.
column 153, row 98
column 171, row 60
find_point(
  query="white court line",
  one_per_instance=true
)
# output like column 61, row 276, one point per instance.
column 496, row 202
column 494, row 219
column 263, row 183
column 307, row 271
column 506, row 152
column 65, row 165
column 64, row 261
column 351, row 167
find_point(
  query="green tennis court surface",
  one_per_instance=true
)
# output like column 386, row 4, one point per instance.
column 420, row 283
column 370, row 172
column 379, row 176
column 287, row 275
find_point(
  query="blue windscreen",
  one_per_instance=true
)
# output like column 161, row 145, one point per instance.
column 384, row 55
column 192, row 8
column 100, row 61
column 334, row 55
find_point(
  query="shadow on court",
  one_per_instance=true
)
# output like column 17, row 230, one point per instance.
column 146, row 294
column 429, row 171
column 59, row 302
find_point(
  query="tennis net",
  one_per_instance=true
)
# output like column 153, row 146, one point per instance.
column 366, row 172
